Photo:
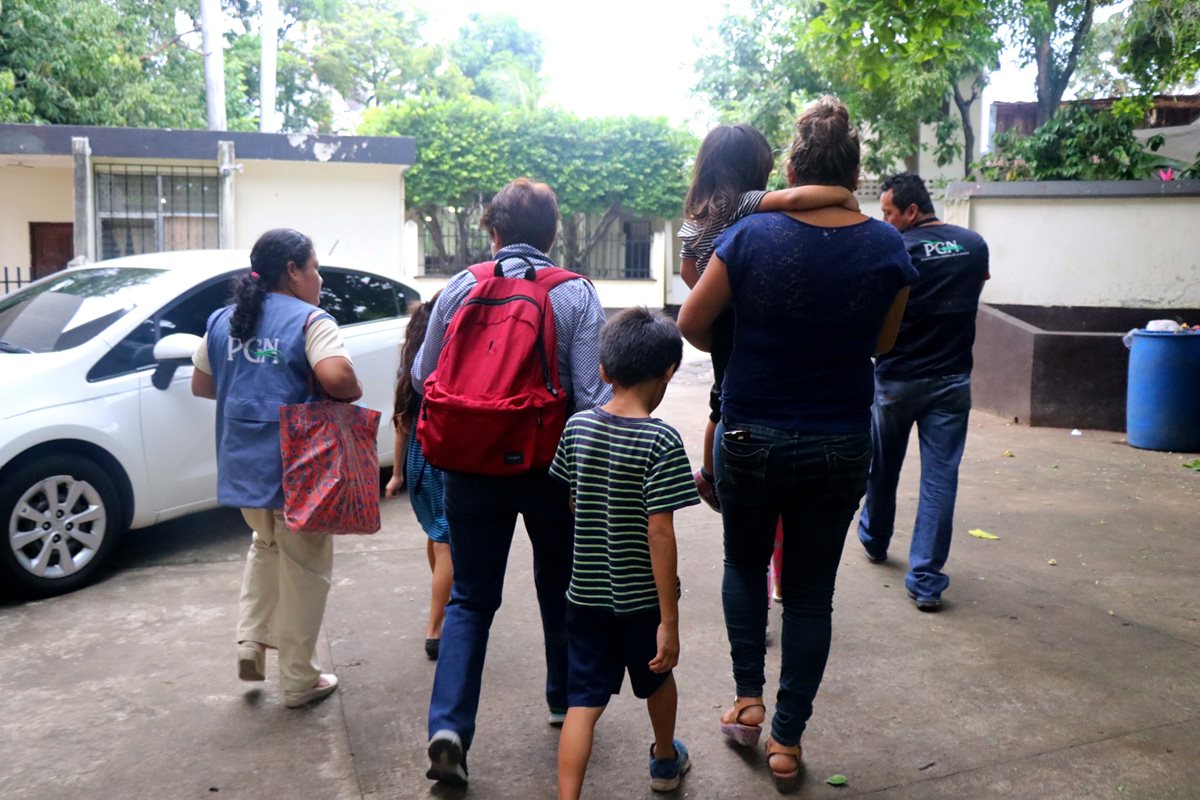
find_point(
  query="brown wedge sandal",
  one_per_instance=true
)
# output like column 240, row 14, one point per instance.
column 738, row 731
column 788, row 778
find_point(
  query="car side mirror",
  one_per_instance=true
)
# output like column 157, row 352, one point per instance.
column 171, row 353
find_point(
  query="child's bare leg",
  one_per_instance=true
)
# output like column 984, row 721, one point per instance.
column 443, row 577
column 575, row 748
column 661, row 706
column 777, row 563
column 710, row 435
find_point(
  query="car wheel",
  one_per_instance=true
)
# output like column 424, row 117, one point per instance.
column 62, row 518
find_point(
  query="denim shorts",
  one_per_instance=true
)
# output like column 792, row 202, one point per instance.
column 602, row 646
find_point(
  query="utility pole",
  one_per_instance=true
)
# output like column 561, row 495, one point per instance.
column 212, row 28
column 269, row 22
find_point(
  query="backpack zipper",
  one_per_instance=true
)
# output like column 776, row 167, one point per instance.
column 488, row 301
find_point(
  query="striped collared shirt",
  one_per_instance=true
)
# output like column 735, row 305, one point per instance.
column 620, row 470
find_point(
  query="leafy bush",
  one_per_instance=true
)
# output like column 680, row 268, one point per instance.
column 1077, row 144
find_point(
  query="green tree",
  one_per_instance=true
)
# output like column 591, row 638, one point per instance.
column 372, row 53
column 1160, row 48
column 1051, row 34
column 1149, row 46
column 1097, row 74
column 468, row 149
column 98, row 62
column 752, row 71
column 1077, row 143
column 897, row 62
column 502, row 60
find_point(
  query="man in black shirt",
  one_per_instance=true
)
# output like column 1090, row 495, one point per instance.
column 926, row 380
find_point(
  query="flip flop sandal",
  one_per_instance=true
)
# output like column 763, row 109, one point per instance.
column 733, row 727
column 786, row 780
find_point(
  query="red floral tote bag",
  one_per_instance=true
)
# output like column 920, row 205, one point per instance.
column 330, row 467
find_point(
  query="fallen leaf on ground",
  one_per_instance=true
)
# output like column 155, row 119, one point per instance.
column 1053, row 562
column 836, row 780
column 982, row 534
column 1193, row 465
column 1008, row 454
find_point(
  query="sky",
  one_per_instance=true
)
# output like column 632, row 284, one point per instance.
column 635, row 56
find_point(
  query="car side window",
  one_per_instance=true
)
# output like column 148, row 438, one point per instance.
column 190, row 313
column 187, row 314
column 352, row 297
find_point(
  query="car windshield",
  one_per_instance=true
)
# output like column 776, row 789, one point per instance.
column 70, row 309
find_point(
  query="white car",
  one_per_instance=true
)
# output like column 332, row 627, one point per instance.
column 99, row 431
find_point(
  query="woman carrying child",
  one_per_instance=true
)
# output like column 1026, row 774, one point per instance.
column 816, row 294
column 729, row 182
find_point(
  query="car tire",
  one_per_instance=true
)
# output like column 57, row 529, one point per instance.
column 61, row 518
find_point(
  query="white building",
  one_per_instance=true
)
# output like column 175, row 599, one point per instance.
column 79, row 192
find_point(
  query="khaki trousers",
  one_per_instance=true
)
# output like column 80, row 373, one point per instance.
column 283, row 595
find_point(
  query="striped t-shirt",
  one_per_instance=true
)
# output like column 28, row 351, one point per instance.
column 620, row 470
column 698, row 244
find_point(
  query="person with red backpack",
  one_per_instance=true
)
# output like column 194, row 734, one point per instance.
column 512, row 350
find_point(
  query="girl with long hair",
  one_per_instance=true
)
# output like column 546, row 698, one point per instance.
column 425, row 485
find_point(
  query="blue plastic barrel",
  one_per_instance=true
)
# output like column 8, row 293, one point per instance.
column 1162, row 411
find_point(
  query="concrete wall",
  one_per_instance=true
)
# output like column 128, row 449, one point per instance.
column 1106, row 244
column 31, row 194
column 354, row 210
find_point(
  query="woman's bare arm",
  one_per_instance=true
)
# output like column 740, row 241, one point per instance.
column 891, row 323
column 337, row 377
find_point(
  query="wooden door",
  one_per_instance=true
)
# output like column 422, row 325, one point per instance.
column 51, row 246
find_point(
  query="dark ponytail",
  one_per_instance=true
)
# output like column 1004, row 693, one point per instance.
column 414, row 337
column 268, row 270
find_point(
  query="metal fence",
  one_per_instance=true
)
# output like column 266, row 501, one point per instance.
column 13, row 279
column 621, row 254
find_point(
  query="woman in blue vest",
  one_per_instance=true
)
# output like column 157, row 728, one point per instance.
column 261, row 353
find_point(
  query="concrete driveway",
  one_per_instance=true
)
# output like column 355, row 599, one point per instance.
column 1078, row 679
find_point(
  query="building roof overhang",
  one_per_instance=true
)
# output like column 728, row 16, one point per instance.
column 159, row 143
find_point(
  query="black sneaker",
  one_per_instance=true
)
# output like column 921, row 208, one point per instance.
column 447, row 762
column 928, row 604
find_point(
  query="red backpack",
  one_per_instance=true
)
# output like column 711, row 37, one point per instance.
column 494, row 404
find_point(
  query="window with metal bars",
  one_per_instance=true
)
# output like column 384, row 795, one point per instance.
column 622, row 253
column 148, row 208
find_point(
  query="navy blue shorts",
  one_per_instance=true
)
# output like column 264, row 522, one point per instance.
column 601, row 647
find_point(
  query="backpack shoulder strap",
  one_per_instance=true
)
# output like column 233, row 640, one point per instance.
column 483, row 270
column 549, row 277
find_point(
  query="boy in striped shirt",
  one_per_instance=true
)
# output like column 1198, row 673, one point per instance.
column 628, row 473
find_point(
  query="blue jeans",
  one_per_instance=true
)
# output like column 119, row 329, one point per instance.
column 940, row 408
column 814, row 483
column 482, row 514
